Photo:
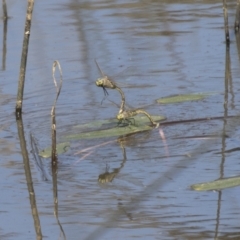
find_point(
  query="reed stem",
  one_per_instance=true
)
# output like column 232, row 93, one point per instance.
column 23, row 65
column 225, row 12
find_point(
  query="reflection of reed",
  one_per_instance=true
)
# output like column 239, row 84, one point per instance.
column 224, row 132
column 54, row 152
column 5, row 20
column 228, row 82
column 28, row 174
column 218, row 214
column 55, row 195
column 228, row 77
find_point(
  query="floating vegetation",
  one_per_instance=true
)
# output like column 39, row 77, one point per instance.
column 217, row 184
column 102, row 129
column 114, row 130
column 60, row 148
column 183, row 98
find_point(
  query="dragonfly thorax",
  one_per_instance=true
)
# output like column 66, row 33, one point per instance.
column 126, row 114
column 106, row 82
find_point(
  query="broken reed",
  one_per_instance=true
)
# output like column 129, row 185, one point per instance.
column 53, row 116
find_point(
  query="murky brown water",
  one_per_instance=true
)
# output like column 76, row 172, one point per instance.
column 161, row 48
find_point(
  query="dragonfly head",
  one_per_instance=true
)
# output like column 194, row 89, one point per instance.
column 100, row 82
column 120, row 116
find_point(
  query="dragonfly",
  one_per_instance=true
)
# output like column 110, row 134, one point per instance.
column 106, row 82
column 108, row 176
column 127, row 115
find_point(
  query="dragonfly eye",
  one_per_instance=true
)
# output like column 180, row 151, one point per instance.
column 119, row 116
column 98, row 83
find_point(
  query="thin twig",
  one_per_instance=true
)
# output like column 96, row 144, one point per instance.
column 23, row 65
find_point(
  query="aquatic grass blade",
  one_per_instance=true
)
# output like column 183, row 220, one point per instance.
column 60, row 148
column 183, row 98
column 102, row 129
column 217, row 184
column 140, row 121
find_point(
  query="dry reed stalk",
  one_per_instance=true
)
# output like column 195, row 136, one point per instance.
column 236, row 26
column 58, row 88
column 225, row 12
column 23, row 65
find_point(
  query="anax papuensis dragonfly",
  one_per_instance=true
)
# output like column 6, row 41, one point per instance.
column 106, row 82
column 127, row 115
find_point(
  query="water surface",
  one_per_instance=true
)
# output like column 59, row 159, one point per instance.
column 159, row 49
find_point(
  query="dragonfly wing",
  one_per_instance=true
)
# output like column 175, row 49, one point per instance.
column 99, row 69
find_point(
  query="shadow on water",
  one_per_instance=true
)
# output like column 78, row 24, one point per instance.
column 145, row 190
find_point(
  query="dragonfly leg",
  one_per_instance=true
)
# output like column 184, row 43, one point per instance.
column 130, row 121
column 120, row 123
column 105, row 91
column 123, row 123
column 105, row 94
column 103, row 99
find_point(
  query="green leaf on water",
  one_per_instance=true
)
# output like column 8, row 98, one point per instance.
column 112, row 130
column 217, row 184
column 95, row 124
column 103, row 129
column 61, row 148
column 183, row 98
